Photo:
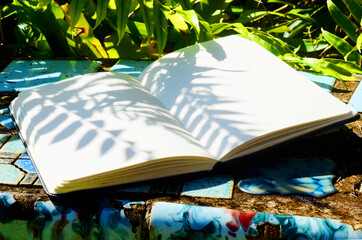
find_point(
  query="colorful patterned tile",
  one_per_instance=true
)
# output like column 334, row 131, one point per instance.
column 4, row 138
column 179, row 221
column 4, row 111
column 7, row 160
column 7, row 122
column 10, row 174
column 24, row 156
column 20, row 75
column 29, row 179
column 37, row 183
column 324, row 82
column 9, row 155
column 26, row 165
column 14, row 145
column 310, row 176
column 356, row 100
column 214, row 187
column 130, row 67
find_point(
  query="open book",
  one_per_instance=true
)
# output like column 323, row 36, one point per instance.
column 212, row 102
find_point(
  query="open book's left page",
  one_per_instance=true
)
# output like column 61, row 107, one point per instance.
column 98, row 123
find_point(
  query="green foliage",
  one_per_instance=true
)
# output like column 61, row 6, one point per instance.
column 75, row 10
column 321, row 36
column 101, row 13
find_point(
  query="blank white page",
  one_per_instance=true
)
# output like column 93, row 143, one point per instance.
column 231, row 90
column 96, row 123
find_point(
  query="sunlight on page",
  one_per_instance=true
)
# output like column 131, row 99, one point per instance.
column 98, row 123
column 231, row 90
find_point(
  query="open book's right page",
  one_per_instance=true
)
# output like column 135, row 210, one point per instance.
column 231, row 91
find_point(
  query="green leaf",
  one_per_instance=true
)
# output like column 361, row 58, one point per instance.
column 349, row 66
column 127, row 49
column 303, row 17
column 253, row 14
column 211, row 11
column 57, row 11
column 147, row 15
column 186, row 4
column 342, row 46
column 337, row 68
column 190, row 16
column 334, row 70
column 123, row 8
column 205, row 31
column 269, row 42
column 219, row 27
column 43, row 18
column 355, row 7
column 160, row 26
column 281, row 2
column 102, row 6
column 359, row 42
column 347, row 25
column 42, row 3
column 177, row 21
column 241, row 29
column 75, row 10
column 305, row 45
column 297, row 28
column 279, row 29
column 138, row 28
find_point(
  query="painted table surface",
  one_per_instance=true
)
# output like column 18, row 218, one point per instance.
column 285, row 176
column 356, row 99
column 21, row 75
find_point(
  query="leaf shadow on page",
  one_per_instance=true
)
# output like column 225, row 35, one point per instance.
column 190, row 85
column 65, row 112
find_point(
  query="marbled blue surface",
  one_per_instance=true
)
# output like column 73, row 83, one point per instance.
column 106, row 220
column 180, row 221
column 51, row 221
column 309, row 176
column 6, row 200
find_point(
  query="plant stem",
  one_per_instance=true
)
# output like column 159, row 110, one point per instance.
column 1, row 30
